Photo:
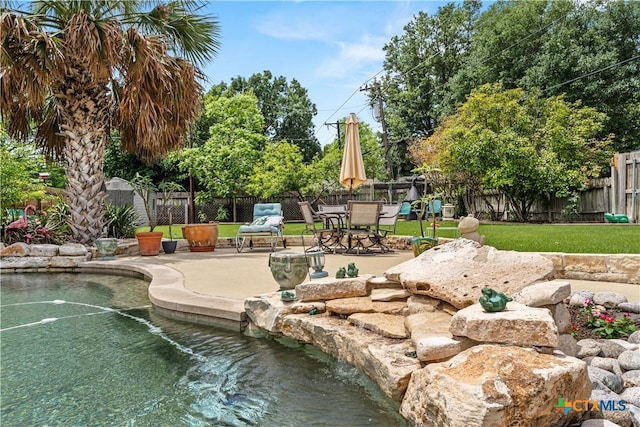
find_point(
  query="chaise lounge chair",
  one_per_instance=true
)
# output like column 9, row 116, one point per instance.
column 267, row 221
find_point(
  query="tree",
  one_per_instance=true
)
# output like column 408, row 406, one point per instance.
column 418, row 65
column 224, row 163
column 585, row 50
column 287, row 110
column 280, row 172
column 18, row 174
column 524, row 145
column 76, row 68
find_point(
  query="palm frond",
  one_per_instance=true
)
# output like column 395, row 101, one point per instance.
column 26, row 60
column 159, row 99
column 189, row 34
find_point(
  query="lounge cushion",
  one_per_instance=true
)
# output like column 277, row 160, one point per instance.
column 263, row 224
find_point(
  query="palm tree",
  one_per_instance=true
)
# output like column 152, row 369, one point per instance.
column 77, row 69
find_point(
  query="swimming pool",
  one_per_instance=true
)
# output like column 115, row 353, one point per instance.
column 90, row 350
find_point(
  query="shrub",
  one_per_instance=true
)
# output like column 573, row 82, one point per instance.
column 121, row 221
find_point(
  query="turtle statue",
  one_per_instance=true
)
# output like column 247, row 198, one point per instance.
column 352, row 271
column 341, row 273
column 493, row 301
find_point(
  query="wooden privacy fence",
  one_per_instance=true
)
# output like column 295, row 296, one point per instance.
column 618, row 194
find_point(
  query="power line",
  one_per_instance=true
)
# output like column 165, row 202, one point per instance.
column 592, row 73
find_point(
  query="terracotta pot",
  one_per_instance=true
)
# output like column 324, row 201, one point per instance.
column 201, row 237
column 149, row 242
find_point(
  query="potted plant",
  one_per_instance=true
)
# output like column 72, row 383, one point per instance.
column 148, row 241
column 167, row 189
column 201, row 237
column 422, row 243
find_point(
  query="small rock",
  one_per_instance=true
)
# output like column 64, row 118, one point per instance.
column 632, row 395
column 614, row 382
column 630, row 307
column 634, row 338
column 609, row 348
column 597, row 374
column 588, row 347
column 631, row 378
column 579, row 297
column 606, row 363
column 629, row 360
column 609, row 299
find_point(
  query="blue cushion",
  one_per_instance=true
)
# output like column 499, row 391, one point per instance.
column 267, row 209
column 263, row 224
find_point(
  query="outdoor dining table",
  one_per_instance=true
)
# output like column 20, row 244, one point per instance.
column 337, row 217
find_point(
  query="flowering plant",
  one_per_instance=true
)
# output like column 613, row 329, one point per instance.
column 38, row 226
column 604, row 324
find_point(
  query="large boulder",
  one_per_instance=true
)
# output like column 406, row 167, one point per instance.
column 457, row 271
column 491, row 385
column 385, row 360
column 517, row 325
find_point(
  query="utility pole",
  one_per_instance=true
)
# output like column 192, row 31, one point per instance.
column 337, row 125
column 379, row 115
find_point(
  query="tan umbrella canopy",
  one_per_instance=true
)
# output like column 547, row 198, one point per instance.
column 352, row 174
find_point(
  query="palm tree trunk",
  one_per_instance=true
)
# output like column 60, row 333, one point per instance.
column 83, row 105
column 84, row 156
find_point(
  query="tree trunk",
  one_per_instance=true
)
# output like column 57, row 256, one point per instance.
column 83, row 105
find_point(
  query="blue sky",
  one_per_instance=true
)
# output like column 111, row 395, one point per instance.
column 331, row 47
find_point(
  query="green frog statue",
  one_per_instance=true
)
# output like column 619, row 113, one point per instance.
column 352, row 271
column 493, row 301
column 341, row 273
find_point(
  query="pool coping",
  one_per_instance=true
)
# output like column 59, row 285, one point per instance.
column 168, row 293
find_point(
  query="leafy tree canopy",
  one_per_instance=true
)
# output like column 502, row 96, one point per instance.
column 521, row 143
column 19, row 173
column 287, row 110
column 222, row 165
column 279, row 173
column 588, row 51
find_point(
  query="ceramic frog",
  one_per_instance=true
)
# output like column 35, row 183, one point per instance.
column 493, row 301
column 352, row 271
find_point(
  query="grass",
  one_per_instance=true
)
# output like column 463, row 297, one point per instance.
column 568, row 238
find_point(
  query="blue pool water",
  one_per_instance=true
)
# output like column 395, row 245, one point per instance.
column 88, row 350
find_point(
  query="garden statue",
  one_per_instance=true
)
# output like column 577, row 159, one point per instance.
column 341, row 273
column 287, row 296
column 493, row 301
column 352, row 271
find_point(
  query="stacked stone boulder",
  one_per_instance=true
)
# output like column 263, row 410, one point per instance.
column 420, row 334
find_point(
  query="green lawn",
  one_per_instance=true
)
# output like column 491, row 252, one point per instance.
column 570, row 238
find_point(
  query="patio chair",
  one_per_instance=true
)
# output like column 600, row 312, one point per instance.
column 405, row 209
column 388, row 219
column 434, row 207
column 327, row 236
column 267, row 221
column 362, row 226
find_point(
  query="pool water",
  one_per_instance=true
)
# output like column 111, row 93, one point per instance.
column 89, row 350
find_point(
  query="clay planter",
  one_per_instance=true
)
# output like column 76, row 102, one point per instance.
column 201, row 237
column 149, row 242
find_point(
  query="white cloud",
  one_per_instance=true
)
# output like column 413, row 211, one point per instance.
column 353, row 59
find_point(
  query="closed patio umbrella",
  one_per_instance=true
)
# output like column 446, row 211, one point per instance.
column 352, row 174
